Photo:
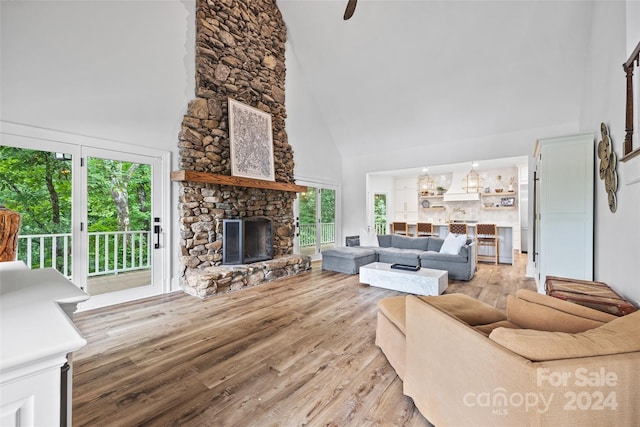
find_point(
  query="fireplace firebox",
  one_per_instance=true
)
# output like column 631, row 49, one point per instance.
column 247, row 240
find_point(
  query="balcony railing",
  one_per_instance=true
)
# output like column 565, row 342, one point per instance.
column 381, row 227
column 328, row 233
column 109, row 252
column 308, row 234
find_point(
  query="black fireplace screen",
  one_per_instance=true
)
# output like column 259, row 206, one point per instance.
column 246, row 240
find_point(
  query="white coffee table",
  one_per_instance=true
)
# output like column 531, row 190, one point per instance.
column 425, row 281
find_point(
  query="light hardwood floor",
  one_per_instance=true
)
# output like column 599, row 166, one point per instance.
column 297, row 351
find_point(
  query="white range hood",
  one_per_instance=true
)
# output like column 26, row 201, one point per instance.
column 457, row 192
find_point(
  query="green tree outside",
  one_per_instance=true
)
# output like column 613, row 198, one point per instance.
column 37, row 184
column 308, row 206
column 380, row 212
column 307, row 211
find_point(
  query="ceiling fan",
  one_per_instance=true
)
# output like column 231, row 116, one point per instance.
column 351, row 7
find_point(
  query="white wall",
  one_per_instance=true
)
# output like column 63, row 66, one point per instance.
column 316, row 157
column 114, row 70
column 633, row 25
column 122, row 71
column 617, row 254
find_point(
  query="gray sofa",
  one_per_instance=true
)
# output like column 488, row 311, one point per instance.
column 424, row 251
column 396, row 249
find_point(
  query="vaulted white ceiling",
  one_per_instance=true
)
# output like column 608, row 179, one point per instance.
column 431, row 71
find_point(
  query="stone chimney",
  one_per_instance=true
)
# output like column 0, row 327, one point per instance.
column 240, row 54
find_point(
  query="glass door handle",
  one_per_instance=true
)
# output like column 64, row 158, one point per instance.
column 156, row 231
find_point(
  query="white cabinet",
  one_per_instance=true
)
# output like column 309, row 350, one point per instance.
column 406, row 199
column 563, row 234
column 35, row 339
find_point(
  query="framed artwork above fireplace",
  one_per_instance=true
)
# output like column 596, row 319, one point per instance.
column 251, row 142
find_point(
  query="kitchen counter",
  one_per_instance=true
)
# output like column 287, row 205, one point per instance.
column 505, row 240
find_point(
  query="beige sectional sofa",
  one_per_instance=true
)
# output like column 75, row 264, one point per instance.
column 545, row 362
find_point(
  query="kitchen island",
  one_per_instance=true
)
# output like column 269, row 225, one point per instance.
column 505, row 238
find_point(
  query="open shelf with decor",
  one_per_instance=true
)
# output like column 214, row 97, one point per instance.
column 497, row 208
column 498, row 201
column 427, row 203
column 500, row 194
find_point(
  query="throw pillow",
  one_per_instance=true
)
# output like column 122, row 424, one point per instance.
column 453, row 243
column 564, row 306
column 352, row 240
column 369, row 239
column 467, row 309
column 618, row 336
column 528, row 315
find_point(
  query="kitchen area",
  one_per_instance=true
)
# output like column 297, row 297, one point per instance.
column 494, row 192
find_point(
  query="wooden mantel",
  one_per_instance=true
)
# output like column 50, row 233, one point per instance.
column 236, row 181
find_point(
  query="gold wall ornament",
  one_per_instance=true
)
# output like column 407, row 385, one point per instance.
column 608, row 166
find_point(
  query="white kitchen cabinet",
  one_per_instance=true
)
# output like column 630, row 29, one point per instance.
column 406, row 199
column 563, row 205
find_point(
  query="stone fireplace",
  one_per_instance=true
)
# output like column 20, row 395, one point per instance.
column 240, row 55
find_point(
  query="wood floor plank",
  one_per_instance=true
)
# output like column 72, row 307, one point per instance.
column 296, row 351
column 316, row 389
column 395, row 408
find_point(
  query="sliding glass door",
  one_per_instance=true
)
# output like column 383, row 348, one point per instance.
column 122, row 225
column 94, row 215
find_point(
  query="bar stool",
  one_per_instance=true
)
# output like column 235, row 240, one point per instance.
column 487, row 235
column 458, row 228
column 424, row 229
column 401, row 228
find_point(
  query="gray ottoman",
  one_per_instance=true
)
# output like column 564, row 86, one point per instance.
column 347, row 260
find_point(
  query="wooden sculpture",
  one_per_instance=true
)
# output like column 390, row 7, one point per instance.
column 9, row 227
